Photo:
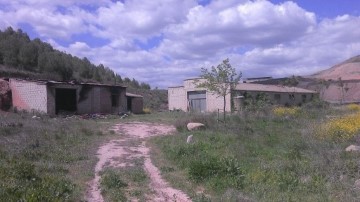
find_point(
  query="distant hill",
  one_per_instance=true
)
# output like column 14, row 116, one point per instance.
column 347, row 70
column 339, row 84
column 34, row 59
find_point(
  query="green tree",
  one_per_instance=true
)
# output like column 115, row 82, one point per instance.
column 219, row 80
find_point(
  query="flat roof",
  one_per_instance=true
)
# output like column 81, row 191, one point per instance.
column 45, row 82
column 271, row 88
column 132, row 95
column 176, row 87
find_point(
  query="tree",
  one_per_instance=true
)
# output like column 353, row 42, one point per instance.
column 219, row 80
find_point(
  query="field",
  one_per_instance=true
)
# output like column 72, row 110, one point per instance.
column 282, row 154
column 276, row 154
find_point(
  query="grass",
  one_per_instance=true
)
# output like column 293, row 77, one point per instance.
column 124, row 184
column 262, row 157
column 269, row 157
column 47, row 159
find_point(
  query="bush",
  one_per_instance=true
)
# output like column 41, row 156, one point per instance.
column 286, row 111
column 342, row 128
column 353, row 107
column 147, row 110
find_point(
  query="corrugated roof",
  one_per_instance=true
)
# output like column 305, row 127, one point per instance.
column 271, row 88
column 132, row 95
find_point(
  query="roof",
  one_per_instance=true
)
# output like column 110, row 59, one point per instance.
column 132, row 95
column 271, row 88
column 176, row 87
column 45, row 82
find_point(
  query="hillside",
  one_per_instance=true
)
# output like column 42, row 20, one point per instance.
column 347, row 70
column 22, row 57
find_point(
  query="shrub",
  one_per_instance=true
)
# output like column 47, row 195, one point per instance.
column 342, row 128
column 286, row 111
column 353, row 107
column 147, row 110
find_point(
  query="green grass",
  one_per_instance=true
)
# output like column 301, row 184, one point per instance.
column 264, row 158
column 124, row 184
column 47, row 159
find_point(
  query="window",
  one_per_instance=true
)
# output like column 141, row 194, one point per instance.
column 303, row 97
column 291, row 96
column 277, row 97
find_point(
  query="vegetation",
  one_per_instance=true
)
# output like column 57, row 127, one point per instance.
column 220, row 80
column 121, row 184
column 274, row 156
column 25, row 58
column 47, row 159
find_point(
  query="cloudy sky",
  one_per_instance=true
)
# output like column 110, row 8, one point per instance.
column 162, row 42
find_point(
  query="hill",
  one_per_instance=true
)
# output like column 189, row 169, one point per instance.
column 24, row 58
column 347, row 70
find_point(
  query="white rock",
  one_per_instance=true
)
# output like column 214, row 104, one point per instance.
column 189, row 139
column 195, row 126
column 357, row 184
column 352, row 148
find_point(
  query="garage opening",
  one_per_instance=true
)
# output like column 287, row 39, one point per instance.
column 197, row 101
column 65, row 100
column 129, row 103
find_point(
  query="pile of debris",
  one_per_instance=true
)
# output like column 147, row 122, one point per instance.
column 5, row 95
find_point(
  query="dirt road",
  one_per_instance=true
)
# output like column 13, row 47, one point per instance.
column 132, row 144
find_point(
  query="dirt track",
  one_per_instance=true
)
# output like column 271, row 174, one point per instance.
column 116, row 153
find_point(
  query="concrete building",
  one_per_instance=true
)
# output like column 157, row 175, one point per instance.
column 53, row 97
column 190, row 98
column 134, row 103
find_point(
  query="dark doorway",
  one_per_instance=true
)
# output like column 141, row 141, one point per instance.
column 65, row 100
column 129, row 103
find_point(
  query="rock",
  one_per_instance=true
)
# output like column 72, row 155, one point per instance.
column 195, row 126
column 189, row 139
column 357, row 184
column 352, row 148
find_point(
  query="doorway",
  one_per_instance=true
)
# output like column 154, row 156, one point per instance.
column 65, row 100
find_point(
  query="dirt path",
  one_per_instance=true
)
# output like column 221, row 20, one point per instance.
column 117, row 153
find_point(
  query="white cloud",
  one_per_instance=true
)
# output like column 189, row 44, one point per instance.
column 260, row 38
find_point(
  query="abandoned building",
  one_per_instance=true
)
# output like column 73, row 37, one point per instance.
column 54, row 97
column 134, row 103
column 190, row 98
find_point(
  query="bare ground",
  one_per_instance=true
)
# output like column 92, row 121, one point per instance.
column 132, row 144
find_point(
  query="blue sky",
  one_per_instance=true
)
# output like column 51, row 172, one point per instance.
column 165, row 41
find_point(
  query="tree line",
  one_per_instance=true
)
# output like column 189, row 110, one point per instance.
column 18, row 52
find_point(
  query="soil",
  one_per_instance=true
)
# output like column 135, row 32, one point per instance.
column 119, row 152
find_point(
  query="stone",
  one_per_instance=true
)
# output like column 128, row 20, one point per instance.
column 357, row 184
column 195, row 126
column 352, row 148
column 189, row 139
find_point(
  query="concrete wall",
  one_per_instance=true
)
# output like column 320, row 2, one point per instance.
column 28, row 95
column 31, row 95
column 137, row 105
column 289, row 98
column 178, row 97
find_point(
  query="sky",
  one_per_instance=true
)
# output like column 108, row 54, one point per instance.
column 163, row 42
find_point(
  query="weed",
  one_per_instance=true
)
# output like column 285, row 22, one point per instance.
column 266, row 158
